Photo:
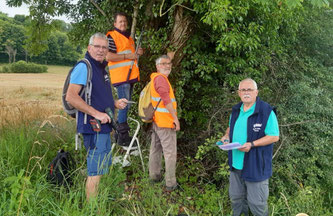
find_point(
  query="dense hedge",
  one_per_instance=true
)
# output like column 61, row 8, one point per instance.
column 24, row 67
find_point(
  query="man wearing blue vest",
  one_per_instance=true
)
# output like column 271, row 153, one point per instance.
column 98, row 144
column 253, row 124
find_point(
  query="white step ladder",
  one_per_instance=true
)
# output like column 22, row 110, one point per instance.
column 134, row 151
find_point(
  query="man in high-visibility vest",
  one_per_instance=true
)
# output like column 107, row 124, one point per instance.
column 165, row 125
column 121, row 58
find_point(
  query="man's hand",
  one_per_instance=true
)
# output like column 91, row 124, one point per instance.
column 225, row 139
column 131, row 56
column 176, row 124
column 121, row 103
column 246, row 147
column 140, row 51
column 171, row 55
column 134, row 56
column 102, row 117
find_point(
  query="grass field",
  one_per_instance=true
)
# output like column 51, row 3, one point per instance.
column 20, row 92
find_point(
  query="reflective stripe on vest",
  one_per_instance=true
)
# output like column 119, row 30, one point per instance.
column 162, row 116
column 121, row 65
column 158, row 99
column 164, row 110
column 125, row 52
column 119, row 70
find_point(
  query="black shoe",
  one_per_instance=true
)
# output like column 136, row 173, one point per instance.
column 123, row 138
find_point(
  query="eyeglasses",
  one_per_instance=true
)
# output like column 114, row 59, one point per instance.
column 100, row 47
column 165, row 64
column 246, row 90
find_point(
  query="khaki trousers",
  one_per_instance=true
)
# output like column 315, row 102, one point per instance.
column 163, row 140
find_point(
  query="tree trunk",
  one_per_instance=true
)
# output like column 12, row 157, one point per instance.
column 135, row 18
column 14, row 55
column 9, row 51
column 180, row 34
column 26, row 55
column 149, row 13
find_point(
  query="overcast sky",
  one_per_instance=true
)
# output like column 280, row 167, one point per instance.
column 23, row 10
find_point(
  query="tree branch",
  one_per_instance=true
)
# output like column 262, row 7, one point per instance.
column 284, row 139
column 211, row 119
column 296, row 123
column 180, row 5
column 135, row 18
column 280, row 146
column 100, row 10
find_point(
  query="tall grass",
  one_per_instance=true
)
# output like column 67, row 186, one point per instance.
column 29, row 139
column 26, row 149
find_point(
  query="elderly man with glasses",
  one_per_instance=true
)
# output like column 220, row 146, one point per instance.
column 254, row 125
column 97, row 144
column 165, row 125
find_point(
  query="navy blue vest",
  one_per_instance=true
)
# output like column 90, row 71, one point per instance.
column 101, row 96
column 258, row 161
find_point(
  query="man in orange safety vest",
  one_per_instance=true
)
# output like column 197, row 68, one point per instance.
column 121, row 57
column 165, row 125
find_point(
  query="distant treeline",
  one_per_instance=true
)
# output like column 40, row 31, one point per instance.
column 15, row 44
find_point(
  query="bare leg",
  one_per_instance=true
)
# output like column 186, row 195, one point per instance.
column 92, row 186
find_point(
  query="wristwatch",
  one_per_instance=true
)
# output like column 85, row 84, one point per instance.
column 252, row 144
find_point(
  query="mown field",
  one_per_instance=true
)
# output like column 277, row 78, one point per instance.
column 32, row 129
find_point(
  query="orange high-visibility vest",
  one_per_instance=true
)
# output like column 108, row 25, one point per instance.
column 162, row 117
column 119, row 70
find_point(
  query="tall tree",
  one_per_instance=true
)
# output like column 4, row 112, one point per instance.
column 11, row 38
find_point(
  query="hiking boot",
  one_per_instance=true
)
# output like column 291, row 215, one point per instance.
column 124, row 139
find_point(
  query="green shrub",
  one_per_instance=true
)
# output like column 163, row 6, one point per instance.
column 5, row 69
column 24, row 67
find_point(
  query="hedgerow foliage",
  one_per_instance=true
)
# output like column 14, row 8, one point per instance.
column 24, row 67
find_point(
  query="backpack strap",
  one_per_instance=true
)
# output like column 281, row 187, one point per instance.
column 87, row 93
column 78, row 142
column 88, row 86
column 157, row 105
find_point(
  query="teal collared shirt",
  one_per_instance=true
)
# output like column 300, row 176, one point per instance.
column 240, row 133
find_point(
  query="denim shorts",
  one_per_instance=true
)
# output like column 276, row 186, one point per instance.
column 99, row 157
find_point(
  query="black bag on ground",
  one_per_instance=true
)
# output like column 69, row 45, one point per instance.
column 61, row 169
